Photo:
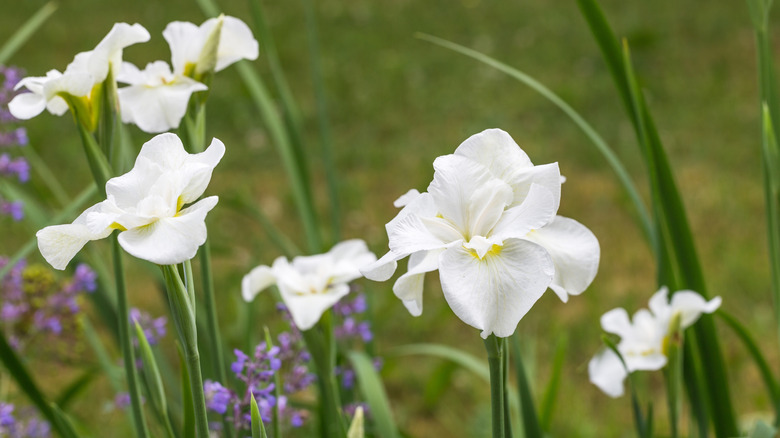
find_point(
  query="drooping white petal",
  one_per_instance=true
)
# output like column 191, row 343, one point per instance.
column 109, row 50
column 347, row 258
column 467, row 194
column 25, row 106
column 412, row 234
column 384, row 268
column 536, row 211
column 75, row 84
column 646, row 361
column 409, row 286
column 406, row 198
column 156, row 100
column 257, row 280
column 236, row 42
column 575, row 252
column 494, row 293
column 307, row 309
column 606, row 371
column 59, row 243
column 170, row 240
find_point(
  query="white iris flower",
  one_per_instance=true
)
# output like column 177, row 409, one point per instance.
column 80, row 85
column 642, row 338
column 488, row 224
column 310, row 285
column 147, row 206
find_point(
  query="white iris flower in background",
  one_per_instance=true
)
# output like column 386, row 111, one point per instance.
column 147, row 206
column 190, row 42
column 488, row 224
column 642, row 338
column 310, row 285
column 80, row 85
column 156, row 99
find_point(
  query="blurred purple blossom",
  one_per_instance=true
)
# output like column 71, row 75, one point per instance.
column 153, row 328
column 25, row 424
column 35, row 304
column 11, row 135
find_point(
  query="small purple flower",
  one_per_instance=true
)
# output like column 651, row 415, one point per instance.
column 238, row 366
column 6, row 415
column 217, row 396
column 15, row 209
column 122, row 400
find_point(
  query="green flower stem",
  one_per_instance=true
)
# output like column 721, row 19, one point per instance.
column 128, row 353
column 673, row 372
column 183, row 312
column 320, row 343
column 496, row 349
column 277, row 421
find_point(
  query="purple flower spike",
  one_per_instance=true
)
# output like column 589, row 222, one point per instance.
column 217, row 396
column 238, row 366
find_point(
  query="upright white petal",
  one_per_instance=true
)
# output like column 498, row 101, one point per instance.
column 466, row 194
column 108, row 52
column 494, row 293
column 236, row 42
column 257, row 280
column 171, row 240
column 616, row 321
column 406, row 198
column 536, row 211
column 347, row 258
column 496, row 150
column 185, row 42
column 60, row 243
column 607, row 372
column 575, row 252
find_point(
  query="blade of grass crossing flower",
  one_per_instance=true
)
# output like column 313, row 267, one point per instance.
column 601, row 145
column 110, row 369
column 326, row 142
column 674, row 221
column 188, row 414
column 755, row 352
column 128, row 354
column 551, row 392
column 281, row 140
column 771, row 164
column 531, row 424
column 46, row 175
column 24, row 380
column 283, row 243
column 374, row 391
column 153, row 380
column 66, row 428
column 292, row 117
column 23, row 34
column 258, row 429
column 76, row 387
column 673, row 373
column 642, row 423
column 67, row 212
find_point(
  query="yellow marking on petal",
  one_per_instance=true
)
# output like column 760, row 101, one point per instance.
column 494, row 250
column 116, row 226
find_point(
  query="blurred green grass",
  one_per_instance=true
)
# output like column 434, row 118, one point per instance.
column 397, row 102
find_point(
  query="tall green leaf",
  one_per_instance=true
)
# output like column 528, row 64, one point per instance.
column 551, row 392
column 258, row 429
column 26, row 383
column 374, row 392
column 672, row 227
column 531, row 425
column 23, row 34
